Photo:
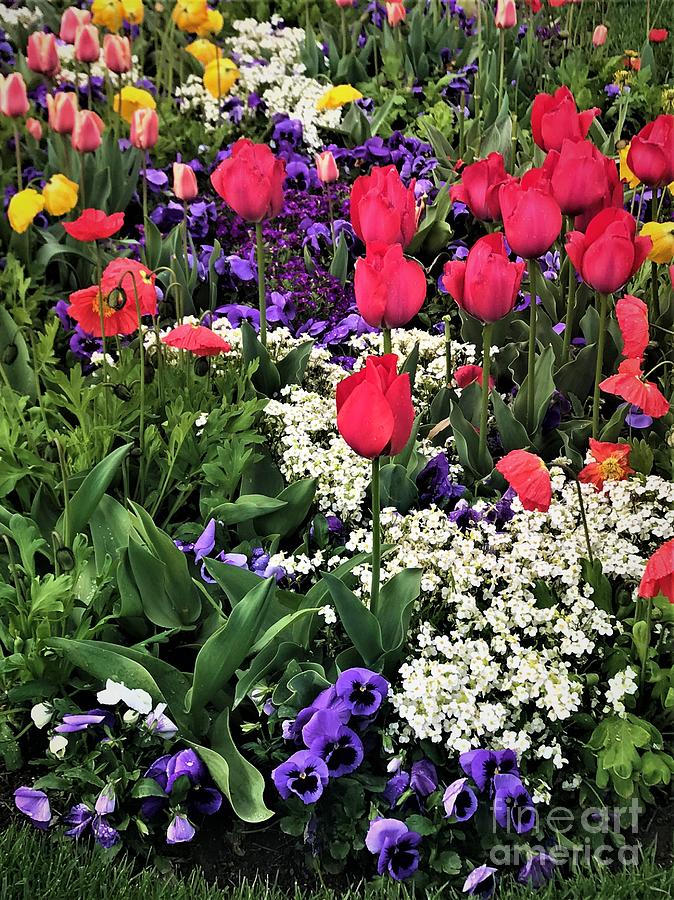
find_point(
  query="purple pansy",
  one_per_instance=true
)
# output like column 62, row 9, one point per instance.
column 481, row 882
column 537, row 870
column 305, row 775
column 483, row 765
column 397, row 847
column 338, row 745
column 460, row 801
column 513, row 805
column 180, row 831
column 81, row 721
column 424, row 779
column 362, row 691
column 35, row 805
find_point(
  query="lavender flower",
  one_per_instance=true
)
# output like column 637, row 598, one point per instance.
column 424, row 779
column 81, row 721
column 106, row 801
column 305, row 775
column 362, row 691
column 184, row 763
column 435, row 485
column 35, row 805
column 180, row 831
column 460, row 801
column 397, row 847
column 483, row 765
column 396, row 787
column 481, row 882
column 512, row 804
column 80, row 817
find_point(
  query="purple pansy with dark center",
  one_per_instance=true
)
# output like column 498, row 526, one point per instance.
column 481, row 882
column 81, row 721
column 35, row 805
column 460, row 801
column 396, row 787
column 512, row 804
column 434, row 484
column 362, row 691
column 338, row 745
column 424, row 779
column 397, row 847
column 180, row 831
column 327, row 699
column 537, row 870
column 483, row 765
column 305, row 775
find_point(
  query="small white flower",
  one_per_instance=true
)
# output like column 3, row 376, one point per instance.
column 57, row 745
column 115, row 692
column 41, row 714
column 328, row 613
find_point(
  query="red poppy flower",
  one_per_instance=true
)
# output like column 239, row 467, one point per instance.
column 117, row 297
column 658, row 577
column 198, row 339
column 466, row 375
column 528, row 475
column 94, row 225
column 611, row 463
column 629, row 385
column 658, row 35
column 632, row 316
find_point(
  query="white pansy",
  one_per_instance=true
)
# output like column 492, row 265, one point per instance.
column 58, row 745
column 41, row 714
column 136, row 699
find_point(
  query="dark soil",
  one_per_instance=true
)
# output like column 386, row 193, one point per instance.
column 659, row 832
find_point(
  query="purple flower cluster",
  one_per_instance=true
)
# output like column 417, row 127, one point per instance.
column 332, row 747
column 205, row 544
column 81, row 818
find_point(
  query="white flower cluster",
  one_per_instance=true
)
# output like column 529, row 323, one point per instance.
column 19, row 17
column 623, row 684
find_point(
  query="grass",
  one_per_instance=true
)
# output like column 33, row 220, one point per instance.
column 33, row 865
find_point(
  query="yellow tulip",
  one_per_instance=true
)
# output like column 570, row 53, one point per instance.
column 130, row 99
column 60, row 195
column 203, row 50
column 107, row 14
column 189, row 15
column 626, row 174
column 338, row 96
column 220, row 76
column 23, row 207
column 213, row 23
column 134, row 11
column 662, row 235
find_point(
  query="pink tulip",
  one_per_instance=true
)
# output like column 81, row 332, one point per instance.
column 86, row 136
column 34, row 128
column 87, row 47
column 42, row 54
column 62, row 110
column 395, row 13
column 144, row 128
column 117, row 53
column 506, row 14
column 600, row 35
column 71, row 20
column 326, row 167
column 184, row 182
column 13, row 96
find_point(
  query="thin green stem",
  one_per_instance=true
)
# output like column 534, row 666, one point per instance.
column 376, row 538
column 601, row 343
column 583, row 518
column 531, row 364
column 17, row 151
column 501, row 64
column 386, row 334
column 484, row 410
column 101, row 315
column 448, row 350
column 570, row 312
column 649, row 611
column 261, row 289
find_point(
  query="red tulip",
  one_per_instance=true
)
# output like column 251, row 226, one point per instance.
column 184, row 182
column 466, row 375
column 506, row 14
column 534, row 5
column 42, row 54
column 374, row 408
column 658, row 577
column 479, row 187
column 599, row 35
column 632, row 315
column 13, row 96
column 555, row 117
column 326, row 167
column 382, row 208
column 144, row 129
column 117, row 53
column 486, row 284
column 577, row 175
column 34, row 128
column 94, row 225
column 251, row 181
column 651, row 152
column 629, row 385
column 87, row 131
column 390, row 290
column 197, row 339
column 62, row 112
column 613, row 196
column 527, row 474
column 532, row 219
column 609, row 253
column 658, row 35
column 611, row 462
column 71, row 20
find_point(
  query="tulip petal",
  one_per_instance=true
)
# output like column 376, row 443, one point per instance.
column 365, row 421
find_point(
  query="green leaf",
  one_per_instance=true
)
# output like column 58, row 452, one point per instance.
column 544, row 388
column 292, row 367
column 246, row 507
column 512, row 433
column 266, row 379
column 359, row 623
column 641, row 457
column 593, row 575
column 396, row 488
column 110, row 527
column 297, row 500
column 88, row 496
column 395, row 608
column 467, row 443
column 340, row 260
column 19, row 372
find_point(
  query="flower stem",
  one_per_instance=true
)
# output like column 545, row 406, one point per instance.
column 66, row 499
column 376, row 537
column 583, row 519
column 448, row 349
column 261, row 292
column 343, row 27
column 603, row 316
column 531, row 365
column 386, row 334
column 642, row 675
column 17, row 151
column 501, row 64
column 484, row 411
column 570, row 305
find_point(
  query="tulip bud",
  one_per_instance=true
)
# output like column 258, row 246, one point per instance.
column 87, row 131
column 87, row 47
column 344, row 3
column 599, row 36
column 326, row 167
column 184, row 182
column 42, row 54
column 144, row 129
column 71, row 20
column 117, row 53
column 13, row 96
column 62, row 110
column 34, row 128
column 506, row 14
column 395, row 13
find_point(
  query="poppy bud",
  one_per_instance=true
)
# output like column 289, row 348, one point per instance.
column 149, row 372
column 201, row 366
column 65, row 559
column 116, row 299
column 122, row 392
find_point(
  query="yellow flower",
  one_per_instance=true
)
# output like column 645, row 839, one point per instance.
column 134, row 11
column 130, row 98
column 338, row 96
column 220, row 84
column 626, row 174
column 189, row 15
column 23, row 207
column 213, row 23
column 662, row 235
column 204, row 51
column 60, row 195
column 108, row 14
